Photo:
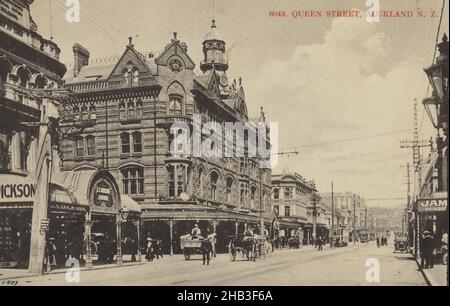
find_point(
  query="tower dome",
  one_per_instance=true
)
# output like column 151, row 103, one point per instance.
column 214, row 51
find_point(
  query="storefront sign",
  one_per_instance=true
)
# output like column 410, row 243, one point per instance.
column 431, row 205
column 16, row 189
column 103, row 195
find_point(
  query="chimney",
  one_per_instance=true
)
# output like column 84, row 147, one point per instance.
column 81, row 58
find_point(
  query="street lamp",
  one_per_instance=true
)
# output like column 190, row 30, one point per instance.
column 438, row 78
column 124, row 212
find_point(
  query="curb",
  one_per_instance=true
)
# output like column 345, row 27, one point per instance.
column 427, row 275
column 62, row 271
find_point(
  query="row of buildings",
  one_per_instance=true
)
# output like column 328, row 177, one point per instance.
column 427, row 209
column 87, row 151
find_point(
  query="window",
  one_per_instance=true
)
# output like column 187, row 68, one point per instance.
column 130, row 109
column 200, row 180
column 92, row 112
column 180, row 180
column 133, row 181
column 139, row 109
column 288, row 193
column 90, row 145
column 130, row 75
column 214, row 180
column 76, row 113
column 125, row 141
column 175, row 105
column 287, row 211
column 229, row 189
column 176, row 180
column 79, row 147
column 171, row 180
column 137, row 142
column 276, row 194
column 122, row 110
column 252, row 196
column 135, row 77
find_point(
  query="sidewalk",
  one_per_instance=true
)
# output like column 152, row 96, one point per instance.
column 436, row 276
column 8, row 274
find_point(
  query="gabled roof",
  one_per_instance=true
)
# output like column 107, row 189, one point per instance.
column 175, row 47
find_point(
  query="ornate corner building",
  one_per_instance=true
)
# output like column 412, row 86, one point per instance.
column 131, row 103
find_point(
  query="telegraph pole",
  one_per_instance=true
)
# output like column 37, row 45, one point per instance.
column 314, row 199
column 354, row 218
column 332, row 214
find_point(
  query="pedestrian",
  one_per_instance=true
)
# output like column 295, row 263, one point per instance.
column 319, row 244
column 378, row 242
column 426, row 250
column 148, row 252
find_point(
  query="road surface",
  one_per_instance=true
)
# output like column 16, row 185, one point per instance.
column 307, row 266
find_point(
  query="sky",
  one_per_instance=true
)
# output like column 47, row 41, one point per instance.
column 341, row 89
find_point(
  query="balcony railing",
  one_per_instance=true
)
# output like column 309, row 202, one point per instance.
column 5, row 161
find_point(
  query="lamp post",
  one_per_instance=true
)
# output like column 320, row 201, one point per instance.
column 121, row 218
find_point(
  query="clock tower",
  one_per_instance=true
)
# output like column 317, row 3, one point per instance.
column 214, row 51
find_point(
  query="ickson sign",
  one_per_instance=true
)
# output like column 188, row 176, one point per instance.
column 230, row 139
column 432, row 205
column 16, row 189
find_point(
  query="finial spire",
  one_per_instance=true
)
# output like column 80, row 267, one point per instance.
column 213, row 25
column 130, row 41
column 175, row 36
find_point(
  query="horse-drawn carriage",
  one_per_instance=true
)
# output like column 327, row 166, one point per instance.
column 191, row 245
column 250, row 247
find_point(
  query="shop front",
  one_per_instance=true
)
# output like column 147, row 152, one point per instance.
column 432, row 216
column 86, row 215
column 169, row 221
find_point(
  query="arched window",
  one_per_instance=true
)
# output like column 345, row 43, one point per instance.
column 40, row 82
column 175, row 105
column 276, row 193
column 132, row 181
column 126, row 77
column 125, row 143
column 135, row 80
column 214, row 181
column 23, row 77
column 229, row 189
column 90, row 145
column 137, row 142
column 5, row 69
column 84, row 112
column 76, row 112
column 181, row 177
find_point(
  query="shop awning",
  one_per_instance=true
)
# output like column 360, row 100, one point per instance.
column 130, row 204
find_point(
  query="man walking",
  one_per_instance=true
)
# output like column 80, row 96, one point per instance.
column 426, row 250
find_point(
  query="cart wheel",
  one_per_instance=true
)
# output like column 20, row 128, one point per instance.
column 232, row 251
column 187, row 254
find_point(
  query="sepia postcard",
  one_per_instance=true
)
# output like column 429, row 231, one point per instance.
column 238, row 144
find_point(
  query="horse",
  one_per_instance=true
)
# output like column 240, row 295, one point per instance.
column 206, row 249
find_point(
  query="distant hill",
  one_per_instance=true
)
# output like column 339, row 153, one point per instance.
column 387, row 218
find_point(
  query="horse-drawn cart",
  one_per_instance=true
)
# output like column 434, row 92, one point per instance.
column 247, row 246
column 191, row 246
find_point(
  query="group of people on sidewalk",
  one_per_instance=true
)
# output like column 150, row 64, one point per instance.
column 428, row 249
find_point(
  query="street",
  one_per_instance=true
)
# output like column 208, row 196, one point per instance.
column 306, row 266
